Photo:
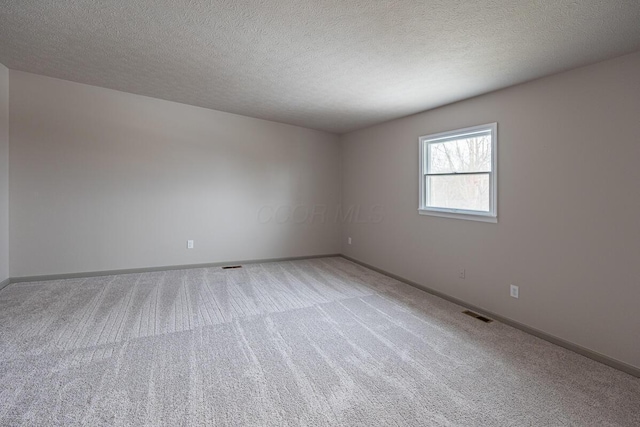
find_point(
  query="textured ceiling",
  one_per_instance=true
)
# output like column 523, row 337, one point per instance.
column 336, row 65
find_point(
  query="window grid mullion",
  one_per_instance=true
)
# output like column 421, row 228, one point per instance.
column 457, row 173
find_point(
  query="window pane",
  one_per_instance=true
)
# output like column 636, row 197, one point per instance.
column 460, row 155
column 470, row 192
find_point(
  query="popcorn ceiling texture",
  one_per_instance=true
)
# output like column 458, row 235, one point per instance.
column 331, row 65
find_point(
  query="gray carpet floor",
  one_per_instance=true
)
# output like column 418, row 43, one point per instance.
column 301, row 343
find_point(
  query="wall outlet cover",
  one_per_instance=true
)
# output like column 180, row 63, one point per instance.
column 515, row 291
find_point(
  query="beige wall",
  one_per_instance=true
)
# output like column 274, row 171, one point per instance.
column 4, row 173
column 104, row 180
column 569, row 206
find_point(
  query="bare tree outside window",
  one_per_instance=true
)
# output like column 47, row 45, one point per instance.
column 462, row 156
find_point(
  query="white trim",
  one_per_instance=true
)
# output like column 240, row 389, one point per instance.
column 423, row 209
column 482, row 217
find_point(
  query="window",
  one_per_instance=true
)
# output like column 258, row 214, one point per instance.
column 458, row 174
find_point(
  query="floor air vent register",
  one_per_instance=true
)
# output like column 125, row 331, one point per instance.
column 477, row 316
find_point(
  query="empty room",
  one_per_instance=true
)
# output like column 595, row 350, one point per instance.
column 319, row 213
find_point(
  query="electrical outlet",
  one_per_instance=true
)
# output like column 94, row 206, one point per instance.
column 189, row 244
column 515, row 291
column 349, row 240
column 462, row 273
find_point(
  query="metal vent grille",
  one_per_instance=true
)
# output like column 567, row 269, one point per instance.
column 227, row 267
column 477, row 316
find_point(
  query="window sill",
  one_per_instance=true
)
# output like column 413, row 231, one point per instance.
column 459, row 215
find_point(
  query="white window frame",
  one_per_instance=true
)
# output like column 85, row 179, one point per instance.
column 424, row 141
